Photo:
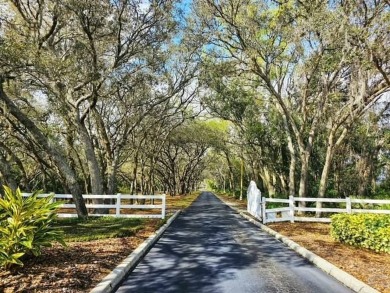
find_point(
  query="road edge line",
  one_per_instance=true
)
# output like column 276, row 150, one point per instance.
column 342, row 276
column 112, row 280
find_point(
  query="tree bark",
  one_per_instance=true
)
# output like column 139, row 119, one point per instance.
column 330, row 149
column 304, row 174
column 231, row 174
column 109, row 155
column 292, row 167
column 24, row 181
column 5, row 171
column 96, row 179
column 268, row 180
column 68, row 173
column 305, row 157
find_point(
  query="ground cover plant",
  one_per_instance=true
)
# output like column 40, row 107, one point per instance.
column 26, row 226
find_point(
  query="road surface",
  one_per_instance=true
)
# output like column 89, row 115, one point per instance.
column 209, row 248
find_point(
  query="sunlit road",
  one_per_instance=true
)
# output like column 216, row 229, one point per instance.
column 210, row 248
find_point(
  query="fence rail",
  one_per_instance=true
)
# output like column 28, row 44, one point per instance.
column 118, row 203
column 288, row 213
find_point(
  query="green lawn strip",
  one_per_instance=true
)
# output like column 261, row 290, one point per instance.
column 180, row 202
column 100, row 228
column 232, row 199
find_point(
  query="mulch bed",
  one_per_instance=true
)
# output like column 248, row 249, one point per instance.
column 366, row 265
column 76, row 268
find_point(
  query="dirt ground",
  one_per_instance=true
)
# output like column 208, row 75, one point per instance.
column 76, row 268
column 368, row 266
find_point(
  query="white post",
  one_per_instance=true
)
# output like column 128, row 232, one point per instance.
column 163, row 207
column 349, row 205
column 292, row 207
column 263, row 210
column 118, row 205
column 52, row 194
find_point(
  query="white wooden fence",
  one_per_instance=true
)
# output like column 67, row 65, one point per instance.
column 288, row 213
column 119, row 203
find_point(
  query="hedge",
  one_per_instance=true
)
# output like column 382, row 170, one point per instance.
column 370, row 231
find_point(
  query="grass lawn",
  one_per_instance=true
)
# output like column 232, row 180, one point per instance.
column 179, row 202
column 99, row 228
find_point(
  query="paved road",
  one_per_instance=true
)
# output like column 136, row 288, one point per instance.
column 211, row 249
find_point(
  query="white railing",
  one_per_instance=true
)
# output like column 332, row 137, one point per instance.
column 288, row 213
column 119, row 202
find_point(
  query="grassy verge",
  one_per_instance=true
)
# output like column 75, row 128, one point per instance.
column 179, row 202
column 95, row 228
column 101, row 228
column 232, row 199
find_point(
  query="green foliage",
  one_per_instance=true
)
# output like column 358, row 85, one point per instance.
column 26, row 226
column 370, row 231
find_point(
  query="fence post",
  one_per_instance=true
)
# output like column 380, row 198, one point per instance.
column 349, row 205
column 118, row 205
column 292, row 207
column 53, row 194
column 263, row 210
column 163, row 207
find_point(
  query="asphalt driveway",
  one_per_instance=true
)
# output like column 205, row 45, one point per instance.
column 210, row 248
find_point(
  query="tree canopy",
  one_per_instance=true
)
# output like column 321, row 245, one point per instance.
column 145, row 97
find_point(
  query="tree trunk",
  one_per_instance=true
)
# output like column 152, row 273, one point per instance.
column 111, row 176
column 292, row 167
column 293, row 159
column 109, row 155
column 365, row 172
column 284, row 189
column 241, row 178
column 268, row 180
column 231, row 173
column 24, row 181
column 325, row 174
column 330, row 149
column 5, row 171
column 51, row 149
column 152, row 175
column 305, row 156
column 135, row 171
column 143, row 186
column 96, row 179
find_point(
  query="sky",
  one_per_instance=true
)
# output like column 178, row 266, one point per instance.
column 185, row 5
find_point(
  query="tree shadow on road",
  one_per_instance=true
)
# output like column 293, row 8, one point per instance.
column 204, row 250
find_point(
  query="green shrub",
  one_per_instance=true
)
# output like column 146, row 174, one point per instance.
column 25, row 226
column 370, row 231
